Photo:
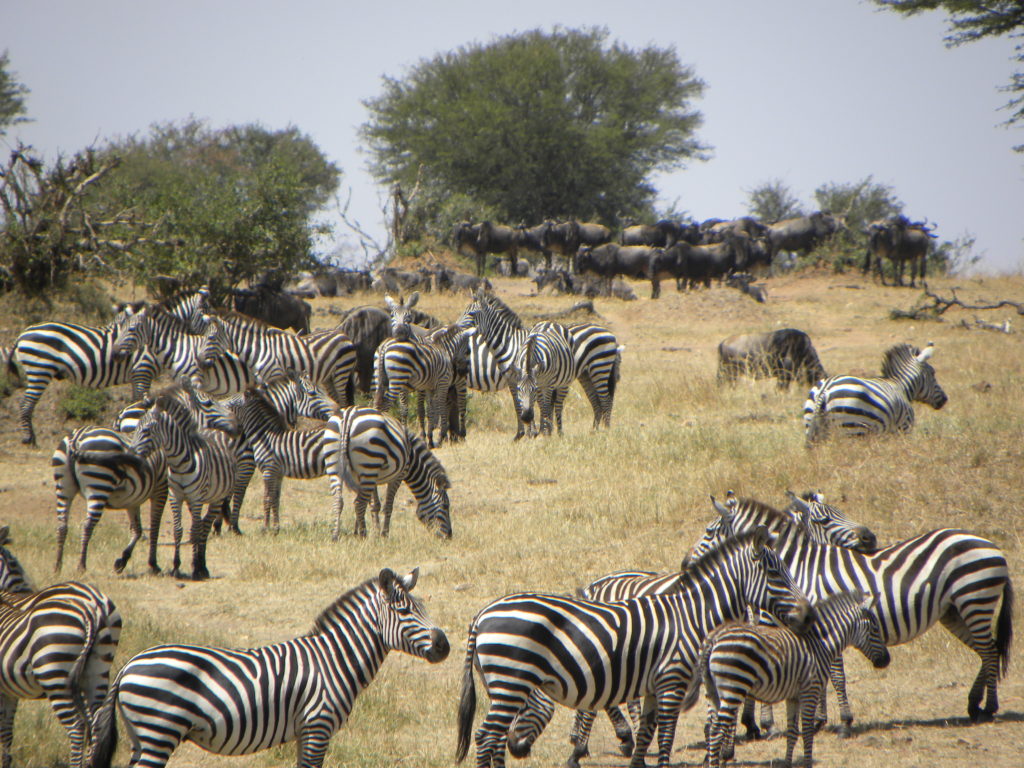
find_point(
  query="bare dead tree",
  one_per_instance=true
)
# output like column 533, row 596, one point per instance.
column 938, row 305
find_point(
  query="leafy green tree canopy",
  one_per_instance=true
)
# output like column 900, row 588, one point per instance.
column 971, row 20
column 12, row 96
column 230, row 204
column 538, row 125
column 773, row 201
column 859, row 203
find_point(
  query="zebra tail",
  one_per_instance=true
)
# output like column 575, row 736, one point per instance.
column 700, row 674
column 467, row 701
column 104, row 730
column 12, row 367
column 1004, row 629
column 79, row 695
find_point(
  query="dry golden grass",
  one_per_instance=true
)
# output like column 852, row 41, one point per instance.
column 553, row 514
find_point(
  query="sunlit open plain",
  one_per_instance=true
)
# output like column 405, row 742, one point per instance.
column 552, row 514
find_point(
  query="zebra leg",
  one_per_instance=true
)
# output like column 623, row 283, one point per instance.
column 64, row 498
column 176, row 502
column 271, row 499
column 837, row 674
column 492, row 735
column 547, row 406
column 592, row 397
column 362, row 498
column 135, row 526
column 748, row 719
column 156, row 512
column 645, row 732
column 337, row 503
column 520, row 425
column 558, row 397
column 530, row 723
column 767, row 721
column 8, row 707
column 199, row 531
column 623, row 730
column 988, row 675
column 808, row 711
column 34, row 387
column 389, row 503
column 314, row 737
column 667, row 716
column 244, row 471
column 579, row 737
column 95, row 503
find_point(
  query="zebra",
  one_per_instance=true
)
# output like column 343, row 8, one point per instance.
column 201, row 467
column 864, row 406
column 57, row 643
column 772, row 664
column 545, row 367
column 97, row 463
column 237, row 702
column 364, row 448
column 266, row 417
column 946, row 575
column 87, row 356
column 426, row 367
column 328, row 358
column 589, row 655
column 598, row 356
column 829, row 525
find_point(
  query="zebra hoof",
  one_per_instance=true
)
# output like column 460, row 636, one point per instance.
column 844, row 731
column 119, row 565
column 154, row 570
column 819, row 724
column 626, row 747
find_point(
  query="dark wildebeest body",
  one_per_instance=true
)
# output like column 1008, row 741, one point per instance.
column 611, row 260
column 699, row 263
column 458, row 282
column 663, row 234
column 899, row 240
column 563, row 281
column 478, row 240
column 368, row 327
column 267, row 302
column 786, row 354
column 391, row 280
column 802, row 234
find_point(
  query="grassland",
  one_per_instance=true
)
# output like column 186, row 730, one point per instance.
column 552, row 514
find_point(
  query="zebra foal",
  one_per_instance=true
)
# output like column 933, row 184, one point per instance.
column 771, row 664
column 236, row 702
column 859, row 406
column 58, row 644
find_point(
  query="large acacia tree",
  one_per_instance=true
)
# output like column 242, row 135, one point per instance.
column 12, row 95
column 538, row 124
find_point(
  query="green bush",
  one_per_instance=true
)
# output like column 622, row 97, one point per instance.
column 83, row 403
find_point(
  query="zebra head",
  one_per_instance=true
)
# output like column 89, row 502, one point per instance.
column 12, row 575
column 867, row 634
column 909, row 365
column 828, row 525
column 778, row 593
column 132, row 333
column 717, row 531
column 848, row 618
column 404, row 624
column 215, row 343
column 401, row 312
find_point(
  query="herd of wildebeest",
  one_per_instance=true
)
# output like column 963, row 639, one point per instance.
column 762, row 608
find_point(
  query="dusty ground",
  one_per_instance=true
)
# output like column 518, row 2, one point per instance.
column 553, row 514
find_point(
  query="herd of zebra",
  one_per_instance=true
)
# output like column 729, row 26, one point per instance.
column 761, row 608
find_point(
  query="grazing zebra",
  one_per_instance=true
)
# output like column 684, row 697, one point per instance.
column 236, row 702
column 426, row 367
column 364, row 448
column 545, row 367
column 829, row 525
column 86, row 356
column 328, row 358
column 58, row 644
column 773, row 664
column 97, row 463
column 201, row 467
column 598, row 357
column 588, row 655
column 266, row 417
column 862, row 406
column 946, row 575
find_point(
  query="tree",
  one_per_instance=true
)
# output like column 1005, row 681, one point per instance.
column 537, row 125
column 12, row 96
column 859, row 203
column 230, row 204
column 773, row 201
column 971, row 20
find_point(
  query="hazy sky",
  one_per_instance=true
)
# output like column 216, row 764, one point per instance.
column 805, row 91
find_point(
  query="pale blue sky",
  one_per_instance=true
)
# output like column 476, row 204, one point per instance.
column 806, row 91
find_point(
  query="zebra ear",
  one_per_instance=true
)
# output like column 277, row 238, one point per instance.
column 392, row 305
column 410, row 579
column 725, row 513
column 386, row 580
column 762, row 538
column 927, row 352
column 411, row 301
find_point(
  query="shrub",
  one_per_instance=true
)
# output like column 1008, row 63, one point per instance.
column 83, row 403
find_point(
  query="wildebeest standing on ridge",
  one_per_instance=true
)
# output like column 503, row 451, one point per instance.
column 785, row 354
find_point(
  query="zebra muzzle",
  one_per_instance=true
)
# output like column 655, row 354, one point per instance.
column 439, row 647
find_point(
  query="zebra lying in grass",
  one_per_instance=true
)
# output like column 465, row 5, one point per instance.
column 57, row 643
column 771, row 663
column 859, row 406
column 237, row 702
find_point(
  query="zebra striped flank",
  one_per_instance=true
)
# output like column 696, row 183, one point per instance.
column 237, row 702
column 58, row 644
column 947, row 575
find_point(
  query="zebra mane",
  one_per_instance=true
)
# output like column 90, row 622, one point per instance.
column 168, row 400
column 433, row 467
column 13, row 573
column 163, row 313
column 837, row 601
column 725, row 548
column 238, row 318
column 765, row 512
column 896, row 356
column 259, row 394
column 357, row 594
column 504, row 311
column 183, row 297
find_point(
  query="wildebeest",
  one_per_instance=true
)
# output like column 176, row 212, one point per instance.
column 451, row 280
column 802, row 234
column 478, row 240
column 368, row 326
column 593, row 234
column 331, row 281
column 662, row 234
column 391, row 280
column 699, row 263
column 899, row 240
column 742, row 281
column 745, row 225
column 562, row 281
column 267, row 302
column 611, row 260
column 786, row 354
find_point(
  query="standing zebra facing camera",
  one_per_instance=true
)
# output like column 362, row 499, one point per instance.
column 860, row 406
column 237, row 702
